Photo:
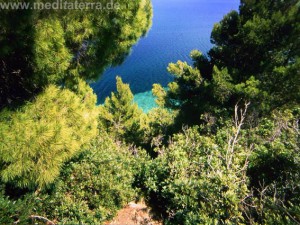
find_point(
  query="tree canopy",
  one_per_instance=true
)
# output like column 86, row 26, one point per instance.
column 40, row 137
column 120, row 115
column 255, row 58
column 41, row 47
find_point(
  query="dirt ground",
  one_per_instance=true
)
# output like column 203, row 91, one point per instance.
column 134, row 214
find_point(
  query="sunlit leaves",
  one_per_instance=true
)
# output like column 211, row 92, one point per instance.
column 119, row 115
column 41, row 136
column 60, row 46
column 52, row 57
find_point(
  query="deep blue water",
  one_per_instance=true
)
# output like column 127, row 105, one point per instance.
column 179, row 26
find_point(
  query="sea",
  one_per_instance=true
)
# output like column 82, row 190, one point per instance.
column 178, row 27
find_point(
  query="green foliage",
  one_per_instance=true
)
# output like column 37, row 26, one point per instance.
column 89, row 190
column 157, row 125
column 36, row 140
column 38, row 47
column 235, row 176
column 223, row 88
column 244, row 171
column 194, row 182
column 255, row 58
column 160, row 93
column 250, row 89
column 119, row 115
column 188, row 82
column 13, row 210
column 184, row 93
column 93, row 186
column 220, row 177
column 264, row 36
column 52, row 57
column 274, row 168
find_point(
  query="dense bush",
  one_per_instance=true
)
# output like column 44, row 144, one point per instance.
column 237, row 176
column 274, row 169
column 89, row 190
column 197, row 180
column 156, row 126
column 15, row 210
column 94, row 186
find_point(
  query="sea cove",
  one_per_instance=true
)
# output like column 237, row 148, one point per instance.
column 178, row 27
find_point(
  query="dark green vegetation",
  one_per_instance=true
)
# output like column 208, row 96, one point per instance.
column 224, row 141
column 39, row 47
column 255, row 58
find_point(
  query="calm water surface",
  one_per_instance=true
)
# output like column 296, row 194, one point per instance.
column 179, row 26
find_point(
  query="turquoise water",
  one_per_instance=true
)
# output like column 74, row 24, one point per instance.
column 179, row 26
column 145, row 100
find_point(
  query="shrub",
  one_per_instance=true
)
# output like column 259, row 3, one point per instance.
column 93, row 186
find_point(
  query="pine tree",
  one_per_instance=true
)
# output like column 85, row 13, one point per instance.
column 120, row 115
column 187, row 93
column 263, row 68
column 36, row 140
column 38, row 48
column 264, row 36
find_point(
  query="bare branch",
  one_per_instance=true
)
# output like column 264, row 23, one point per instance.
column 239, row 118
column 44, row 219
